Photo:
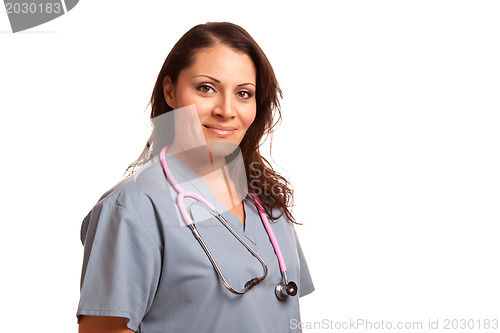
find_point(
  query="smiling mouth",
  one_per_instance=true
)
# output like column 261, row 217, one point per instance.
column 220, row 131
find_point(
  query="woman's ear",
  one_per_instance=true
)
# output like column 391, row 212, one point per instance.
column 169, row 91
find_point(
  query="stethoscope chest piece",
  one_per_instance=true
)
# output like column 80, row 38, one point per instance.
column 283, row 290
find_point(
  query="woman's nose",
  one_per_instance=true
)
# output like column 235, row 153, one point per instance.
column 224, row 107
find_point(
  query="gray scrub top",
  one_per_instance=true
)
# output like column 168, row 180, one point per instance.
column 143, row 263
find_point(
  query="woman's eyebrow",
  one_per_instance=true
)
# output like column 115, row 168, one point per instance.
column 244, row 84
column 214, row 79
column 211, row 78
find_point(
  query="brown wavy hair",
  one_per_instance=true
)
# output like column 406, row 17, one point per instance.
column 273, row 190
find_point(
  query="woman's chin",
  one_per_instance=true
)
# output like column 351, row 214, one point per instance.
column 222, row 148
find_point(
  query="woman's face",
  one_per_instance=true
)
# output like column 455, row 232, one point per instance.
column 222, row 85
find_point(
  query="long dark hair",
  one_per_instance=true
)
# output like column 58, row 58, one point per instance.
column 273, row 190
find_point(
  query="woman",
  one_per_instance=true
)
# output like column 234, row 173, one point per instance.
column 215, row 98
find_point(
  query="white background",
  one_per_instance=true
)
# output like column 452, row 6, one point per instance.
column 390, row 137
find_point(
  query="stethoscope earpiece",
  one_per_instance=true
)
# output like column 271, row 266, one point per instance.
column 284, row 290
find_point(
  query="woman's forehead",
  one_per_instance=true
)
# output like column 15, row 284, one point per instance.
column 223, row 63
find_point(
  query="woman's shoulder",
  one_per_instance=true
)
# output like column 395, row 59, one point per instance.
column 138, row 196
column 134, row 200
column 138, row 189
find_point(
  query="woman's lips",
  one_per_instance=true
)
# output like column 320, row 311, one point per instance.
column 220, row 131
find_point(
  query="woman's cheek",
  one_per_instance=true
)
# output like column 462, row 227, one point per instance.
column 187, row 96
column 248, row 118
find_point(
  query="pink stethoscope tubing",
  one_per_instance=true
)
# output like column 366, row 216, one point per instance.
column 290, row 287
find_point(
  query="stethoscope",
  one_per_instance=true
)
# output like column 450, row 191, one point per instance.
column 283, row 289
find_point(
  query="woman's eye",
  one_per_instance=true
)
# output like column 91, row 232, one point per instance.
column 206, row 89
column 244, row 94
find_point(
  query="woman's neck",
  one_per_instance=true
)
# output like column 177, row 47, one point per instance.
column 213, row 170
